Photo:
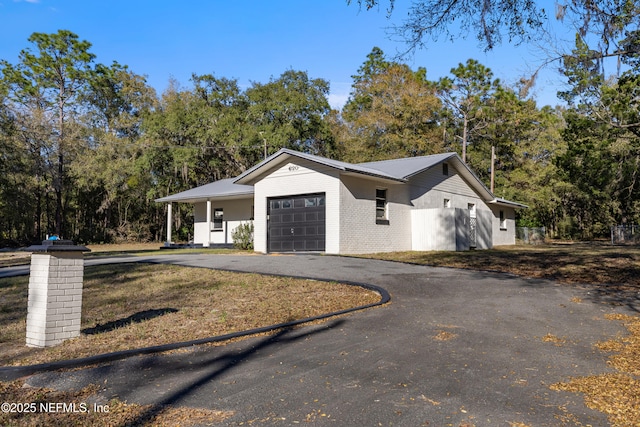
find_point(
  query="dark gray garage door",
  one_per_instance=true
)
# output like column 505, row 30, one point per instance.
column 296, row 223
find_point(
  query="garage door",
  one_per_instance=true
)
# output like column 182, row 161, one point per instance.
column 296, row 223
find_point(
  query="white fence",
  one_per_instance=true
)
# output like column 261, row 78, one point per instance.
column 531, row 235
column 625, row 235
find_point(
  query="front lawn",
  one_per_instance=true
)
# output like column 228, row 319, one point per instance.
column 137, row 305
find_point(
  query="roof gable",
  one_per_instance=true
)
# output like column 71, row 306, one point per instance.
column 251, row 175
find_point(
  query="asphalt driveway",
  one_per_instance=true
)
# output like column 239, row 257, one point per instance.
column 452, row 347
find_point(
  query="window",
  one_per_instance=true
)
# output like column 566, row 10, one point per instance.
column 447, row 203
column 472, row 210
column 445, row 169
column 217, row 218
column 503, row 221
column 381, row 206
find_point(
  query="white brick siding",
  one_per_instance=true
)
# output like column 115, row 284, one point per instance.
column 359, row 231
column 351, row 209
column 296, row 178
column 431, row 187
column 429, row 190
column 54, row 305
column 504, row 236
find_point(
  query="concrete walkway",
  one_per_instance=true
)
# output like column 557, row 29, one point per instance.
column 452, row 347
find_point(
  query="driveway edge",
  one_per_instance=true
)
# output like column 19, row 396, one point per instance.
column 9, row 373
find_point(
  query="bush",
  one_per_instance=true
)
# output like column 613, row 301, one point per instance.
column 243, row 236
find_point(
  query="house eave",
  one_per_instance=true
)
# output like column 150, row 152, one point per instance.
column 197, row 199
column 508, row 203
column 373, row 176
column 250, row 176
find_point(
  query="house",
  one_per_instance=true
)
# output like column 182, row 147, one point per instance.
column 302, row 202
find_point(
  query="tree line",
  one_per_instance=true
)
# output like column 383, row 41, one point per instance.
column 86, row 148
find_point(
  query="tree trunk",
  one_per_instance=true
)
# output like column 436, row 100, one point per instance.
column 60, row 186
column 464, row 139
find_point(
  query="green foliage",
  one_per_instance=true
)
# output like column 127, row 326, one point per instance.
column 44, row 87
column 392, row 112
column 289, row 112
column 243, row 236
column 87, row 147
column 603, row 139
column 582, row 68
column 601, row 163
column 469, row 98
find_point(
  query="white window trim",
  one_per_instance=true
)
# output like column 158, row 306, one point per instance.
column 213, row 220
column 503, row 221
column 385, row 219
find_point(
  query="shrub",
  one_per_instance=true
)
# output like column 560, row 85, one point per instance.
column 243, row 236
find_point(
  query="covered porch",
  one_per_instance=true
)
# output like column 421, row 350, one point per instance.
column 219, row 208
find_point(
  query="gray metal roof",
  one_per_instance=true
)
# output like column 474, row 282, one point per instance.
column 504, row 202
column 399, row 170
column 284, row 153
column 224, row 188
column 408, row 166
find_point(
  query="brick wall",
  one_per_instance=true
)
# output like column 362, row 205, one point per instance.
column 360, row 233
column 504, row 235
column 55, row 298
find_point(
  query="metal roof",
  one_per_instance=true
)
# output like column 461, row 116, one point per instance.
column 504, row 202
column 398, row 170
column 408, row 166
column 222, row 189
column 251, row 175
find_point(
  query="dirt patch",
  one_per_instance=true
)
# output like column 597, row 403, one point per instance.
column 444, row 336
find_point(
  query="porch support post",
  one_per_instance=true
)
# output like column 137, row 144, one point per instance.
column 206, row 242
column 169, row 222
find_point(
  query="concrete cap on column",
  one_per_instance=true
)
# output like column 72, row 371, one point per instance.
column 57, row 246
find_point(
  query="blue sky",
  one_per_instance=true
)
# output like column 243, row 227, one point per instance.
column 248, row 40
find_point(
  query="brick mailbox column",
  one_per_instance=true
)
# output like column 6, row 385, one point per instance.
column 55, row 292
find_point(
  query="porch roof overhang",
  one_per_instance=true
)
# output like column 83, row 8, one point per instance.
column 224, row 189
column 508, row 203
